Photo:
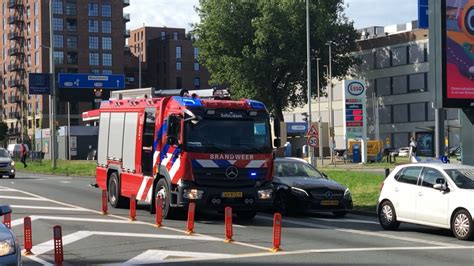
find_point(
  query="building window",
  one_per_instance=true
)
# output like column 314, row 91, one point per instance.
column 178, row 52
column 58, row 58
column 196, row 66
column 417, row 53
column 93, row 25
column 57, row 6
column 107, row 71
column 106, row 10
column 400, row 113
column 71, row 25
column 175, row 36
column 400, row 85
column 93, row 10
column 107, row 43
column 95, row 71
column 71, row 42
column 107, row 59
column 383, row 86
column 37, row 42
column 36, row 25
column 179, row 82
column 35, row 5
column 93, row 42
column 58, row 24
column 418, row 112
column 163, row 35
column 94, row 59
column 71, row 9
column 58, row 41
column 37, row 60
column 417, row 83
column 28, row 12
column 196, row 53
column 385, row 114
column 178, row 65
column 399, row 56
column 382, row 58
column 197, row 83
column 71, row 58
column 106, row 26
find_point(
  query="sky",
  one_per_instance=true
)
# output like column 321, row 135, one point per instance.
column 181, row 13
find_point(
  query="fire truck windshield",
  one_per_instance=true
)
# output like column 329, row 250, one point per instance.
column 214, row 135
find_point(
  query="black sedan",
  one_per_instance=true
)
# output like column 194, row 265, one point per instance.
column 298, row 186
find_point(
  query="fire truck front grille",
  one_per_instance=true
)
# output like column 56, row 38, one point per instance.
column 210, row 177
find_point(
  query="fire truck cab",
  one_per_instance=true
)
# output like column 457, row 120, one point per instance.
column 216, row 153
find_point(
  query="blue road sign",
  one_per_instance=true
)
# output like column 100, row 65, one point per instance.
column 423, row 14
column 39, row 83
column 91, row 81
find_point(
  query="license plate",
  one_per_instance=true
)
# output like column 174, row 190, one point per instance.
column 232, row 194
column 329, row 202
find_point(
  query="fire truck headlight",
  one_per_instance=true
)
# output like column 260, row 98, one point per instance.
column 192, row 194
column 265, row 194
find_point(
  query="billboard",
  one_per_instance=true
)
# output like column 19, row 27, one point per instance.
column 458, row 53
column 354, row 108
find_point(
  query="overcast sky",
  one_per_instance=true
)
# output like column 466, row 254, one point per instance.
column 181, row 13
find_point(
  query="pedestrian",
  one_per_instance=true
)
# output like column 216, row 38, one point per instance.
column 288, row 149
column 412, row 154
column 23, row 154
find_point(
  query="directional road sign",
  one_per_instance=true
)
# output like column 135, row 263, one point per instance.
column 91, row 81
column 39, row 83
column 313, row 141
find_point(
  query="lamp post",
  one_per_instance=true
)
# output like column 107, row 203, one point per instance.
column 308, row 69
column 52, row 95
column 319, row 113
column 331, row 126
column 139, row 64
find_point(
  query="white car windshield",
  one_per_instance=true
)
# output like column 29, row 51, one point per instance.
column 296, row 169
column 463, row 178
column 4, row 154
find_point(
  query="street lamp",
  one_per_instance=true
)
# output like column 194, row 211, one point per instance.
column 319, row 112
column 52, row 95
column 331, row 118
column 139, row 64
column 308, row 69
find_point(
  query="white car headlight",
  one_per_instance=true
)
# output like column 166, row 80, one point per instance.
column 12, row 163
column 347, row 194
column 7, row 247
column 299, row 191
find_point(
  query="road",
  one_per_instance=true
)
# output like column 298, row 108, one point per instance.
column 313, row 239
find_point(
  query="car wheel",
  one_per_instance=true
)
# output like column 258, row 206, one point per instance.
column 461, row 225
column 163, row 191
column 11, row 176
column 340, row 214
column 115, row 199
column 387, row 216
column 246, row 215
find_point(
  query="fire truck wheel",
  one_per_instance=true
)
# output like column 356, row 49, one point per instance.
column 162, row 190
column 246, row 215
column 115, row 199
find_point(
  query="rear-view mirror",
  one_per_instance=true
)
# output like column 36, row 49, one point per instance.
column 5, row 209
column 441, row 187
column 277, row 143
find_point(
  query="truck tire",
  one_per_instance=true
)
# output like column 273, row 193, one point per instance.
column 11, row 176
column 163, row 191
column 115, row 199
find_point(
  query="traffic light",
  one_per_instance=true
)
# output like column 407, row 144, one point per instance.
column 305, row 116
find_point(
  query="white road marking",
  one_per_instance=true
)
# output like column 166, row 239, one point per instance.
column 65, row 182
column 46, row 208
column 363, row 232
column 22, row 198
column 37, row 259
column 60, row 218
column 6, row 189
column 159, row 256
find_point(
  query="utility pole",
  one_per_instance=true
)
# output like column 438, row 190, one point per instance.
column 319, row 114
column 52, row 95
column 308, row 69
column 331, row 119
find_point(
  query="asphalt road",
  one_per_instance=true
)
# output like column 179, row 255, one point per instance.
column 312, row 239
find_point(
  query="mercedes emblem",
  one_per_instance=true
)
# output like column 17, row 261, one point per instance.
column 328, row 194
column 232, row 172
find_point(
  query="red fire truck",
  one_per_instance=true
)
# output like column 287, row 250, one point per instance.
column 216, row 153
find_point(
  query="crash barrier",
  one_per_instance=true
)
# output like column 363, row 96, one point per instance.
column 58, row 245
column 104, row 202
column 159, row 211
column 276, row 232
column 27, row 236
column 133, row 208
column 7, row 220
column 228, row 225
column 190, row 225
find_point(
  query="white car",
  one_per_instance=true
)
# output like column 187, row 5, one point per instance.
column 438, row 195
column 404, row 152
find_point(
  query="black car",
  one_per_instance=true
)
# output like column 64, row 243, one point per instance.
column 298, row 186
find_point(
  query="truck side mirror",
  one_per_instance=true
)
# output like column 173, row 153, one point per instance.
column 277, row 143
column 277, row 133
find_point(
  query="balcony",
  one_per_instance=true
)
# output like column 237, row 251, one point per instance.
column 15, row 36
column 15, row 51
column 15, row 83
column 15, row 20
column 15, row 3
column 16, row 67
column 126, row 17
column 126, row 3
column 126, row 33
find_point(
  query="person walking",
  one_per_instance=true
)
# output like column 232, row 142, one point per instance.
column 23, row 154
column 412, row 154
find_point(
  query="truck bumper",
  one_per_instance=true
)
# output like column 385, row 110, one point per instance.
column 217, row 198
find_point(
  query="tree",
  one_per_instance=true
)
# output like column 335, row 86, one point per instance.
column 258, row 47
column 3, row 131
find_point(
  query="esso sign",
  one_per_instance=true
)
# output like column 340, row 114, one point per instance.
column 355, row 88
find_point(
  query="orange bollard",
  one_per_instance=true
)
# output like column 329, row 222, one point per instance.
column 190, row 226
column 159, row 211
column 27, row 236
column 276, row 232
column 228, row 225
column 7, row 220
column 133, row 208
column 58, row 245
column 104, row 202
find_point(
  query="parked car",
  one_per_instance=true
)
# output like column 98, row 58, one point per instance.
column 7, row 165
column 10, row 250
column 438, row 195
column 403, row 151
column 298, row 186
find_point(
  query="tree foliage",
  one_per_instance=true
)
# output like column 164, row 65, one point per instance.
column 258, row 47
